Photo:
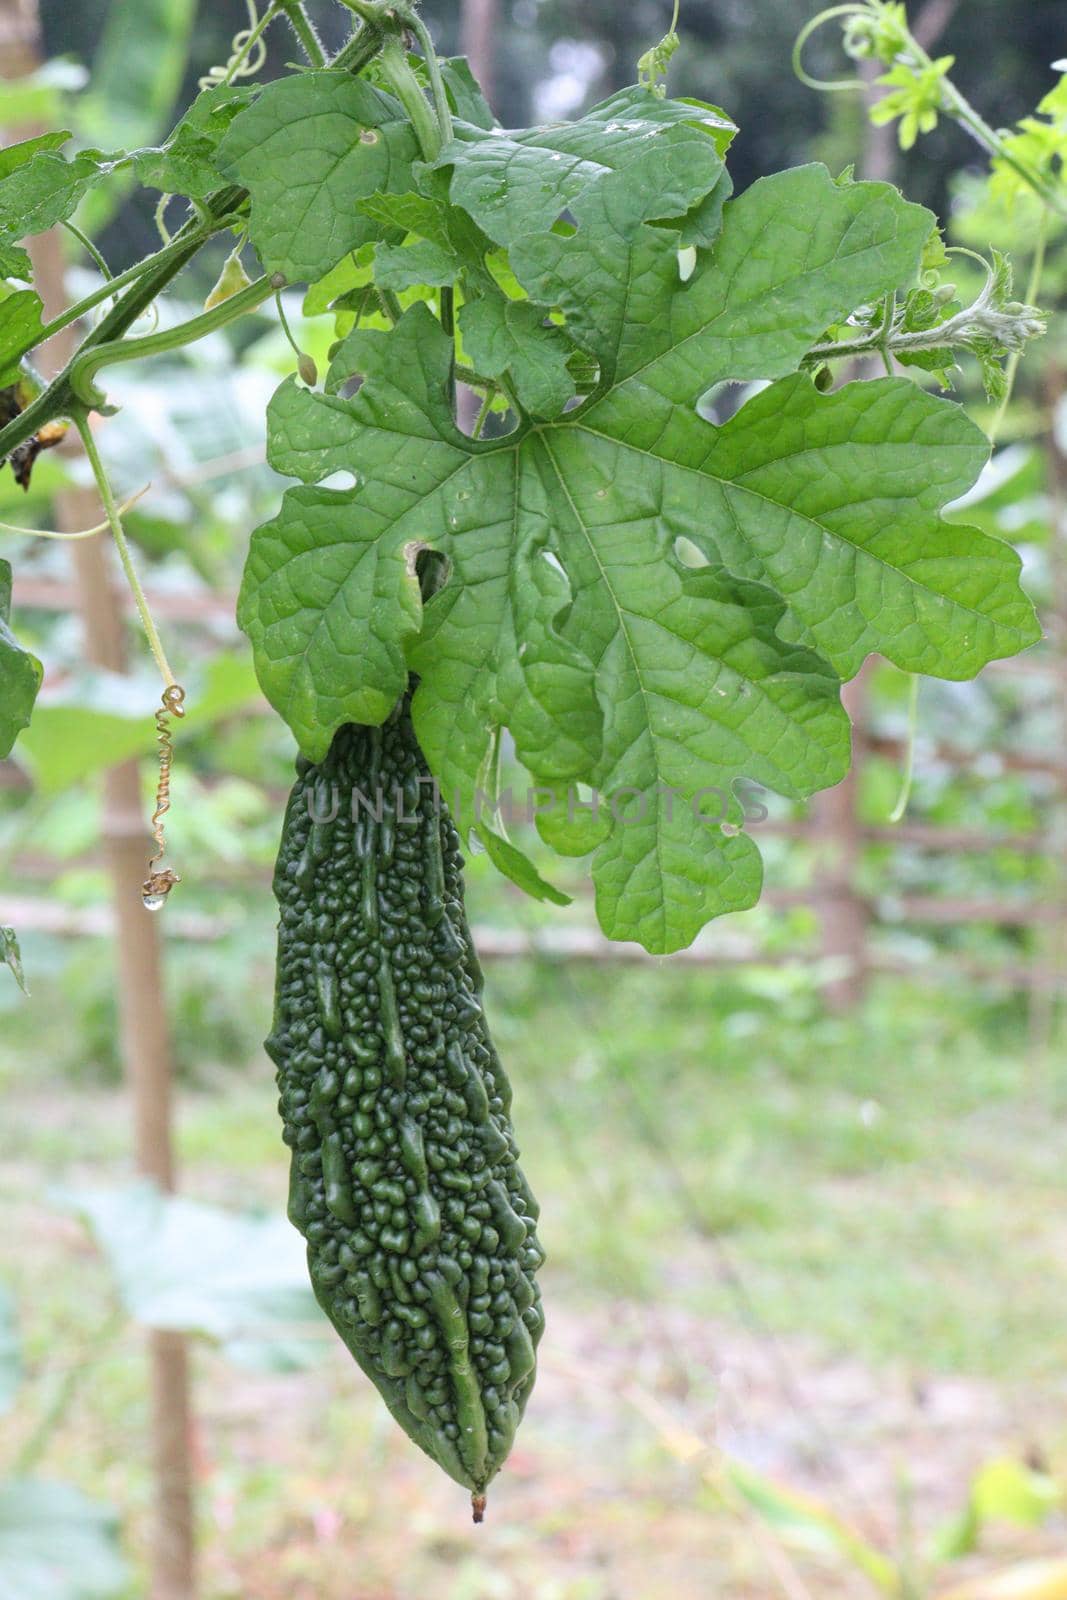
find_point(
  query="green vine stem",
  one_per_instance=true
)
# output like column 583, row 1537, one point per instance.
column 826, row 85
column 907, row 778
column 953, row 103
column 176, row 247
column 114, row 520
column 147, row 279
column 87, row 364
column 483, row 414
column 981, row 319
column 81, row 533
column 307, row 38
column 396, row 69
column 1033, row 289
column 433, row 128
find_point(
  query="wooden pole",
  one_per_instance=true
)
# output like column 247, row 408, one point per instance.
column 144, row 1041
column 844, row 915
column 477, row 38
column 1049, row 956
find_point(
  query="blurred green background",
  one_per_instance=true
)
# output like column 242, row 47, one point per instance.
column 797, row 1246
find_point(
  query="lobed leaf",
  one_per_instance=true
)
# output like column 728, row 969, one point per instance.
column 651, row 604
column 519, row 182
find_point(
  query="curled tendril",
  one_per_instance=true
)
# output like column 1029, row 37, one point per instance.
column 826, row 85
column 248, row 51
column 161, row 880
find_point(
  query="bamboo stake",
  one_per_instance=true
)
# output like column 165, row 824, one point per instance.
column 477, row 38
column 145, row 1044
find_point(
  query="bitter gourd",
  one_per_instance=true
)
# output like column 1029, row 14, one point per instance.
column 404, row 1180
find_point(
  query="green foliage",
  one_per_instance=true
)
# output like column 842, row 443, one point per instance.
column 187, row 163
column 606, row 491
column 308, row 150
column 1039, row 144
column 20, row 672
column 647, row 602
column 20, row 328
column 916, row 96
column 11, row 955
column 49, row 187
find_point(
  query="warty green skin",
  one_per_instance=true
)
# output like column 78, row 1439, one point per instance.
column 404, row 1179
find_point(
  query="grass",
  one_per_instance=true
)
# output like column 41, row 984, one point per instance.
column 731, row 1182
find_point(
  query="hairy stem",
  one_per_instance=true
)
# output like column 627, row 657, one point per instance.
column 149, row 278
column 397, row 71
column 114, row 518
column 307, row 38
column 87, row 363
column 1033, row 289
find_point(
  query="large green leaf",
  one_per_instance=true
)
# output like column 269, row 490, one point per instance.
column 514, row 183
column 233, row 1277
column 650, row 603
column 57, row 1544
column 20, row 673
column 309, row 150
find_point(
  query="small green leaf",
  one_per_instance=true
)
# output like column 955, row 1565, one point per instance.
column 48, row 189
column 409, row 213
column 464, row 93
column 20, row 672
column 20, row 329
column 509, row 860
column 510, row 339
column 15, row 262
column 13, row 156
column 309, row 150
column 11, row 956
column 401, row 267
column 187, row 163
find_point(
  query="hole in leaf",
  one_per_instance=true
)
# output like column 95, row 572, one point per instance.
column 341, row 479
column 724, row 400
column 500, row 420
column 688, row 553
